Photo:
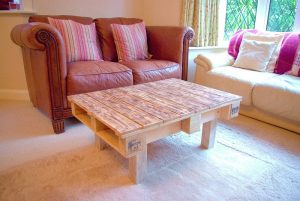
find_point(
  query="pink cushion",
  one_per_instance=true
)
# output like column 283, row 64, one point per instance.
column 236, row 40
column 131, row 41
column 296, row 65
column 287, row 53
column 80, row 40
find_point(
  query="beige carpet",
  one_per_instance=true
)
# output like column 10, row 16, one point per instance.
column 250, row 161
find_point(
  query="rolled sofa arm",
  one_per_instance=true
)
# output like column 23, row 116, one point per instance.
column 35, row 35
column 170, row 43
column 208, row 61
column 45, row 66
column 42, row 36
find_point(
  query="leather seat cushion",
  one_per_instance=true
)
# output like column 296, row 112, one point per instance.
column 236, row 80
column 279, row 96
column 152, row 70
column 87, row 76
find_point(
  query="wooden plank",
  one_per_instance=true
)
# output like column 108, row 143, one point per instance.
column 185, row 95
column 114, row 120
column 189, row 102
column 191, row 85
column 138, row 166
column 132, row 145
column 160, row 112
column 109, row 137
column 100, row 144
column 208, row 134
column 191, row 125
column 161, row 132
column 160, row 101
column 139, row 116
column 198, row 93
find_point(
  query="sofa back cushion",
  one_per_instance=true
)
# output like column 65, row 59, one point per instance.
column 255, row 55
column 81, row 40
column 130, row 41
column 296, row 65
column 287, row 53
column 236, row 40
column 104, row 31
column 268, row 37
column 44, row 18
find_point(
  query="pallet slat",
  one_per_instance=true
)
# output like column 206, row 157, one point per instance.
column 114, row 120
column 143, row 118
column 159, row 112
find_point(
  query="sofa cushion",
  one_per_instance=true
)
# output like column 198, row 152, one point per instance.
column 276, row 37
column 287, row 54
column 44, row 18
column 296, row 65
column 87, row 76
column 104, row 32
column 81, row 40
column 236, row 40
column 130, row 41
column 236, row 80
column 279, row 96
column 255, row 55
column 152, row 70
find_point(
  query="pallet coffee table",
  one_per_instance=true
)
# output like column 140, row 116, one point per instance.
column 129, row 118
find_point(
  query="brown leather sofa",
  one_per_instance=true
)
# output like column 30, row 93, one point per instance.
column 51, row 79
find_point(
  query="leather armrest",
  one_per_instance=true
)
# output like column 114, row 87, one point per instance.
column 208, row 61
column 34, row 35
column 44, row 56
column 170, row 43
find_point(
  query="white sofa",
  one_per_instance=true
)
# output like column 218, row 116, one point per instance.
column 268, row 97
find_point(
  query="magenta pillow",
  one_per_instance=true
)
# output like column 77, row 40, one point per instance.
column 287, row 53
column 130, row 41
column 80, row 40
column 236, row 40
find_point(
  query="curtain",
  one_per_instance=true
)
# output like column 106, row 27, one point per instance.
column 202, row 16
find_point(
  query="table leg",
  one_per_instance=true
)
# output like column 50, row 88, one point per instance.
column 138, row 166
column 100, row 144
column 208, row 134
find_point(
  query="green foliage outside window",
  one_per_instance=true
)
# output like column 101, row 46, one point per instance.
column 281, row 15
column 240, row 14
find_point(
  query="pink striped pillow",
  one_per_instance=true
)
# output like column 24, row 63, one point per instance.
column 130, row 41
column 80, row 40
column 288, row 53
column 296, row 65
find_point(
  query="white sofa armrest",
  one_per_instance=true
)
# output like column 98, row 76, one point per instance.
column 210, row 60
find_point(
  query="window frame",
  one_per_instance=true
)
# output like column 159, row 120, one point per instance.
column 261, row 14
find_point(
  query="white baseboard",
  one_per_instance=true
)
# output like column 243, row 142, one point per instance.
column 12, row 94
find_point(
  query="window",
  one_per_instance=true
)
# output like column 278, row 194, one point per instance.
column 239, row 15
column 281, row 15
column 270, row 15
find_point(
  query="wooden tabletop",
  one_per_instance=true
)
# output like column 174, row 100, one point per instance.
column 128, row 109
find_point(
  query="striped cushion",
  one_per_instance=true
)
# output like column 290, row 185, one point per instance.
column 130, row 41
column 287, row 53
column 296, row 65
column 80, row 40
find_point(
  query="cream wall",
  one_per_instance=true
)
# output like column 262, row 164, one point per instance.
column 12, row 76
column 91, row 8
column 162, row 12
column 11, row 63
